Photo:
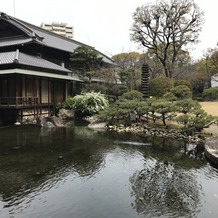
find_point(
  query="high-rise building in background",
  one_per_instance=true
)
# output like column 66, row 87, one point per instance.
column 60, row 28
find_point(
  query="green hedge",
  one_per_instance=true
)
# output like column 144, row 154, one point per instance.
column 210, row 94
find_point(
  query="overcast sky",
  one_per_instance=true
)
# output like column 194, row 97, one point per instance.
column 104, row 24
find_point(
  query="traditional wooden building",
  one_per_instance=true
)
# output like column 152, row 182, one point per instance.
column 34, row 69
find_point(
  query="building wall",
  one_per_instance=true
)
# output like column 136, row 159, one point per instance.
column 25, row 97
column 214, row 81
column 60, row 28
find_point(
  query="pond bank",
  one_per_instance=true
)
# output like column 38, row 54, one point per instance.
column 210, row 143
column 145, row 130
column 211, row 150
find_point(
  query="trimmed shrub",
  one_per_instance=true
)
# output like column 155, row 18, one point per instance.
column 182, row 82
column 169, row 96
column 195, row 121
column 186, row 112
column 186, row 105
column 159, row 86
column 117, row 90
column 165, row 108
column 181, row 92
column 67, row 104
column 133, row 95
column 210, row 94
column 113, row 115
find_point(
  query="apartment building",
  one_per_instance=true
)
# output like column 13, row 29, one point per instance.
column 62, row 29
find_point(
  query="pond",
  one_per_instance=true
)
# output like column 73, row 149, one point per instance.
column 77, row 172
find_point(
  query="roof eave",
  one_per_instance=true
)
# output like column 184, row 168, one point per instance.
column 38, row 73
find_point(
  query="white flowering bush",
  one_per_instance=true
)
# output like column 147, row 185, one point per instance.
column 90, row 103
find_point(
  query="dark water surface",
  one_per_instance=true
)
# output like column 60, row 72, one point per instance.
column 75, row 172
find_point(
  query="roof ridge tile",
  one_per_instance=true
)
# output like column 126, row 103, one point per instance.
column 16, row 58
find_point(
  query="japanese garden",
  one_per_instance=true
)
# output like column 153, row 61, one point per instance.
column 131, row 135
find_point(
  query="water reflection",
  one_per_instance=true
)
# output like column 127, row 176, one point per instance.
column 121, row 175
column 34, row 156
column 165, row 189
column 166, row 186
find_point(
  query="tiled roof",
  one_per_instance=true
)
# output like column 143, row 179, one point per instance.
column 46, row 37
column 14, row 41
column 7, row 57
column 28, row 60
column 39, row 73
column 60, row 42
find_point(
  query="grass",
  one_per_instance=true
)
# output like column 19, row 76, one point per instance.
column 210, row 107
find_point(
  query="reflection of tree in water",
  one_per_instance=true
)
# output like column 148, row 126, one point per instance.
column 40, row 158
column 16, row 182
column 164, row 189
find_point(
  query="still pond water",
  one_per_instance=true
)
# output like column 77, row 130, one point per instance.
column 76, row 172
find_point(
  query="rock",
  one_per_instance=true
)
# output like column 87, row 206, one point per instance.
column 66, row 114
column 49, row 125
column 211, row 150
column 141, row 199
column 57, row 121
column 132, row 117
column 16, row 147
column 41, row 121
column 145, row 130
column 101, row 125
column 121, row 126
column 49, row 122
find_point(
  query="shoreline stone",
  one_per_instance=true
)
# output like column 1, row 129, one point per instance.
column 160, row 132
column 66, row 114
column 211, row 150
column 98, row 126
column 49, row 122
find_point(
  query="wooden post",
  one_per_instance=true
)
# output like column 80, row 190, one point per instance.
column 40, row 94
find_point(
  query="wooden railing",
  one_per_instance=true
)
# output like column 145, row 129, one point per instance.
column 18, row 101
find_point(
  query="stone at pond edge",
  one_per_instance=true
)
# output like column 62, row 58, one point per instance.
column 57, row 121
column 49, row 125
column 211, row 149
column 49, row 122
column 160, row 132
column 41, row 121
column 101, row 125
column 66, row 114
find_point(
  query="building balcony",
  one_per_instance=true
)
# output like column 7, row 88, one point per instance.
column 19, row 102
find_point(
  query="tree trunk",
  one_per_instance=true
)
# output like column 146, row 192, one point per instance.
column 164, row 119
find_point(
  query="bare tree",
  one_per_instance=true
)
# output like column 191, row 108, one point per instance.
column 213, row 64
column 130, row 68
column 166, row 29
column 180, row 68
